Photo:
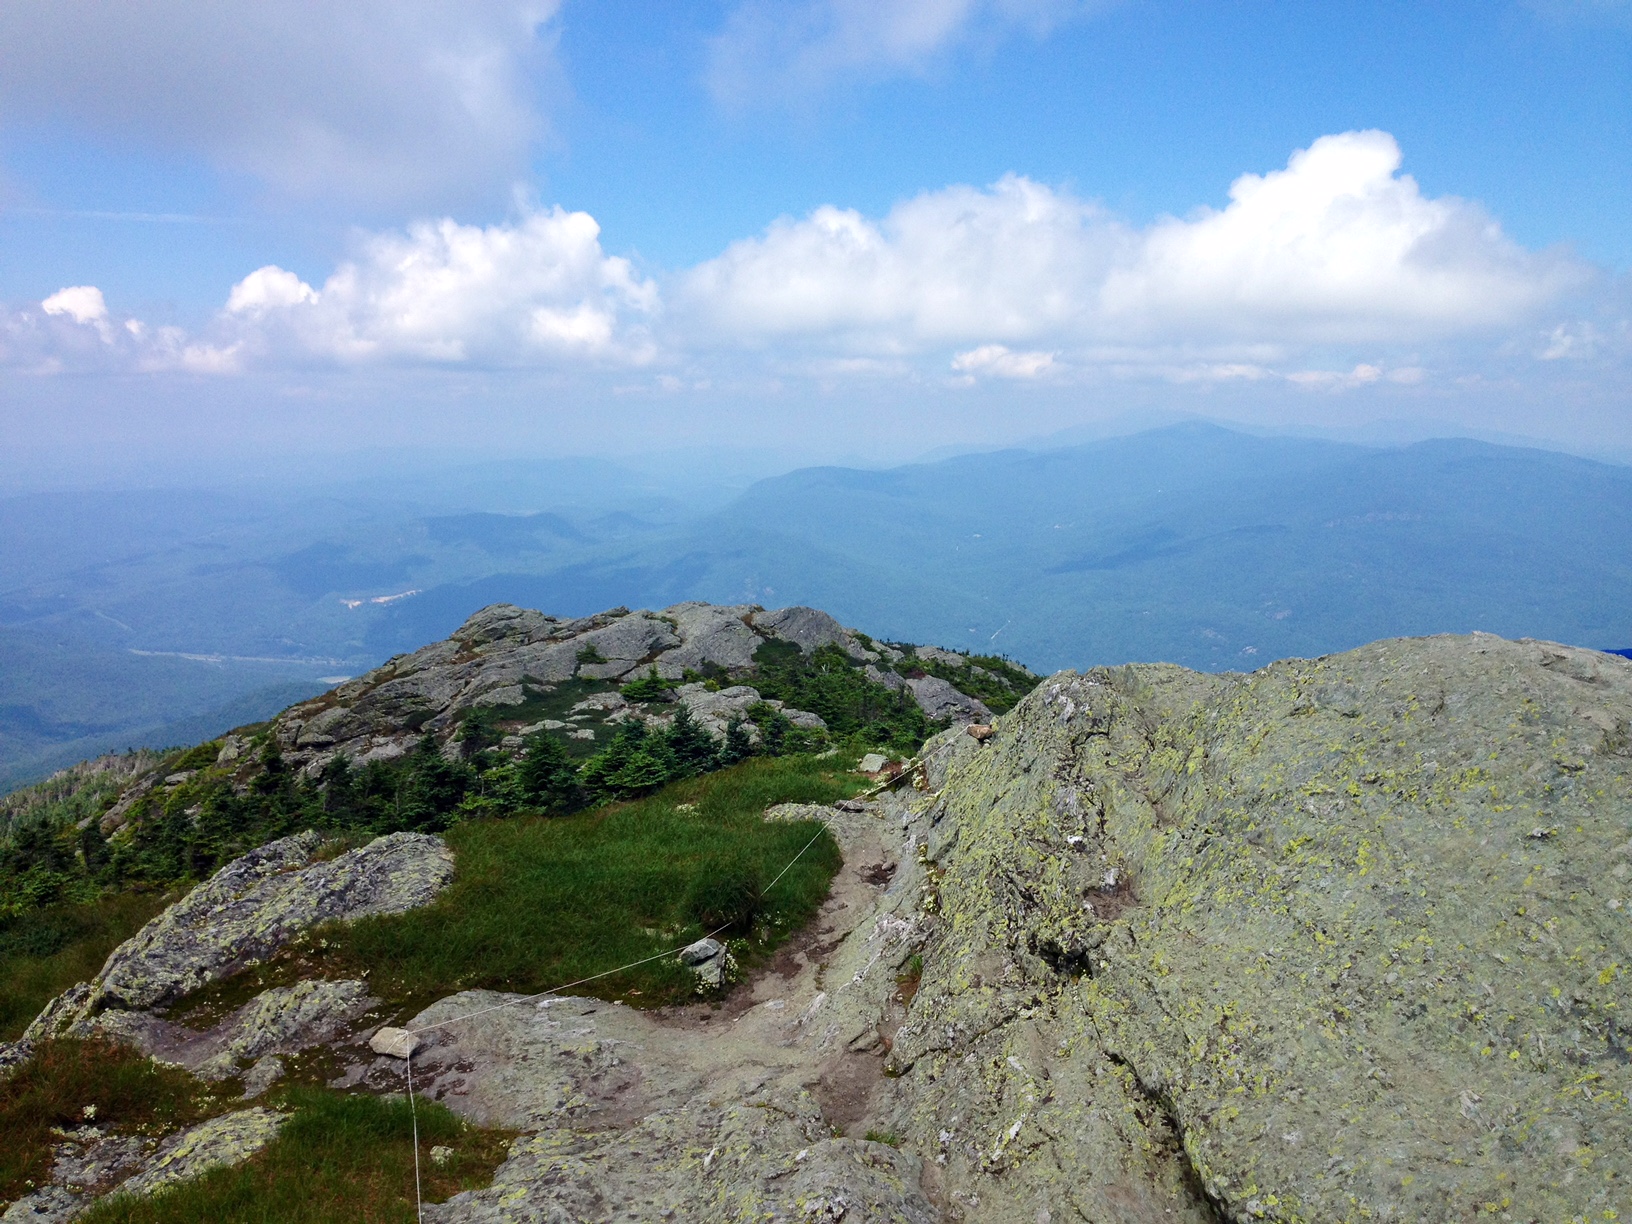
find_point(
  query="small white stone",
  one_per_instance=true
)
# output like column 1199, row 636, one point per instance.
column 393, row 1042
column 441, row 1155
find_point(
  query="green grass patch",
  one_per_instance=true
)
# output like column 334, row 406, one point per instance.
column 538, row 902
column 45, row 951
column 339, row 1160
column 67, row 1083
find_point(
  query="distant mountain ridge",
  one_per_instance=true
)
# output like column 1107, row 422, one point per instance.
column 1193, row 544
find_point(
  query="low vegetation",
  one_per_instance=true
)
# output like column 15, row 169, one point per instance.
column 997, row 682
column 70, row 1083
column 827, row 682
column 46, row 950
column 538, row 902
column 605, row 840
column 339, row 1160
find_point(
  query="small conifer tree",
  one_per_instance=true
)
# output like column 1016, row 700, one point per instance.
column 548, row 778
column 693, row 748
column 737, row 746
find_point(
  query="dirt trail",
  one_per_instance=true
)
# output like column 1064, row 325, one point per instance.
column 758, row 1104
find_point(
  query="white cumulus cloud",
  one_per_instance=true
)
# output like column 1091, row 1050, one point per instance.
column 536, row 289
column 1335, row 272
column 81, row 303
column 269, row 288
column 1008, row 263
column 373, row 100
column 1337, row 248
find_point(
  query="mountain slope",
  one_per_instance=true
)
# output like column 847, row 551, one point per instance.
column 1339, row 940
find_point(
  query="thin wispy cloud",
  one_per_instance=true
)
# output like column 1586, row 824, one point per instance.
column 793, row 50
column 378, row 102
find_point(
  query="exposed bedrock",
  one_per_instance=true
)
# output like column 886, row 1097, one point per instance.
column 1343, row 939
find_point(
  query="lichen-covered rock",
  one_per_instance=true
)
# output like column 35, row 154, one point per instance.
column 51, row 1204
column 740, row 1162
column 505, row 656
column 86, row 1161
column 637, row 1120
column 266, row 1072
column 229, row 1139
column 244, row 913
column 1342, row 940
column 283, row 1020
column 89, row 1163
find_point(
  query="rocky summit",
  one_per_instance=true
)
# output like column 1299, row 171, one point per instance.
column 1344, row 939
column 513, row 661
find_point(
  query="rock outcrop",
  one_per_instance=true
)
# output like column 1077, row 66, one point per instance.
column 242, row 914
column 228, row 1139
column 504, row 656
column 89, row 1163
column 1339, row 940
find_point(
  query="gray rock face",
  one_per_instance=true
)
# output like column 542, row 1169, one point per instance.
column 806, row 628
column 713, row 711
column 710, row 634
column 90, row 1163
column 938, row 699
column 696, row 1114
column 86, row 1161
column 244, row 913
column 1284, row 946
column 51, row 1204
column 889, row 679
column 505, row 655
column 1342, row 940
column 760, row 1165
column 283, row 1020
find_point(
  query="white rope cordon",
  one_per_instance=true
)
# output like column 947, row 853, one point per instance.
column 419, row 1203
column 419, row 1199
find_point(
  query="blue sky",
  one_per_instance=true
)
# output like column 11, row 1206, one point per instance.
column 579, row 227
